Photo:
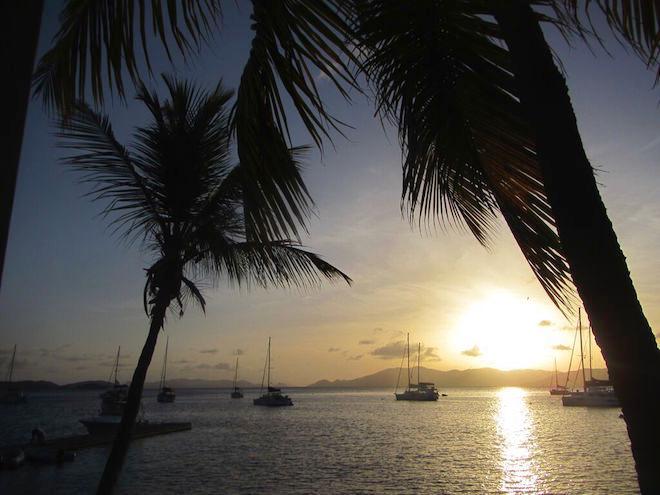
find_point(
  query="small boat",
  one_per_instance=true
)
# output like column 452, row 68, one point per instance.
column 559, row 389
column 12, row 394
column 596, row 393
column 420, row 391
column 236, row 393
column 273, row 396
column 166, row 393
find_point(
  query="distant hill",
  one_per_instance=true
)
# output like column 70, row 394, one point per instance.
column 479, row 377
column 30, row 385
column 182, row 383
column 88, row 385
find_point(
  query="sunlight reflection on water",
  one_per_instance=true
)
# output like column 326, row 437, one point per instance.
column 515, row 431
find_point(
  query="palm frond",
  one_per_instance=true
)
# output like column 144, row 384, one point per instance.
column 99, row 40
column 637, row 21
column 442, row 79
column 115, row 176
column 269, row 264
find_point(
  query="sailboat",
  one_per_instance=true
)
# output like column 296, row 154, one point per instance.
column 558, row 389
column 273, row 396
column 113, row 402
column 597, row 393
column 236, row 393
column 13, row 394
column 421, row 391
column 166, row 393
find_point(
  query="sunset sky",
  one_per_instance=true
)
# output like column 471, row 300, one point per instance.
column 72, row 292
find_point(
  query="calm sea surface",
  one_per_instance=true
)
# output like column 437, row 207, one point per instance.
column 507, row 440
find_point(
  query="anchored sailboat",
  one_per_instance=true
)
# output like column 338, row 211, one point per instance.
column 166, row 393
column 13, row 394
column 421, row 391
column 273, row 396
column 236, row 393
column 597, row 393
column 558, row 389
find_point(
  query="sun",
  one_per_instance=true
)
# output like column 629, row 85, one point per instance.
column 503, row 331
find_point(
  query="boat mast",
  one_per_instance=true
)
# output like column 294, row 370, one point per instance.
column 419, row 353
column 556, row 375
column 591, row 372
column 114, row 372
column 11, row 365
column 584, row 376
column 408, row 347
column 163, row 375
column 236, row 373
column 268, row 362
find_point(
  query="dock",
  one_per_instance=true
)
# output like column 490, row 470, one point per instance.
column 79, row 442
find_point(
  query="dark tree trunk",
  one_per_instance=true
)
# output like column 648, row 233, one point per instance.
column 19, row 33
column 597, row 264
column 123, row 438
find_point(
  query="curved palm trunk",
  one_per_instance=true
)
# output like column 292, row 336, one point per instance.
column 19, row 34
column 123, row 438
column 597, row 263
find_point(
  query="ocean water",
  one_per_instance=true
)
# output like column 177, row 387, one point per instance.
column 508, row 440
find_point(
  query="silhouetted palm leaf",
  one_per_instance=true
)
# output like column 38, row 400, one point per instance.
column 638, row 21
column 100, row 37
column 441, row 78
column 293, row 39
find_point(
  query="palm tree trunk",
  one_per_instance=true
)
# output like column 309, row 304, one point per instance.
column 597, row 264
column 19, row 34
column 123, row 438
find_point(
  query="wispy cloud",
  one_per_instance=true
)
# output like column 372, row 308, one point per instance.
column 474, row 351
column 430, row 354
column 377, row 330
column 545, row 323
column 355, row 358
column 208, row 366
column 390, row 351
column 561, row 347
column 209, row 351
column 334, row 349
column 366, row 342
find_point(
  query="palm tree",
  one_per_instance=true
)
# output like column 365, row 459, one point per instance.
column 176, row 192
column 486, row 129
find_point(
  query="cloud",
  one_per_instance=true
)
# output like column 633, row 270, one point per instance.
column 208, row 351
column 208, row 366
column 181, row 361
column 377, row 330
column 430, row 354
column 545, row 323
column 390, row 351
column 334, row 349
column 561, row 347
column 355, row 358
column 366, row 342
column 472, row 352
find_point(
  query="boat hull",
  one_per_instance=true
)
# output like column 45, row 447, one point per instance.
column 418, row 396
column 559, row 391
column 590, row 400
column 273, row 401
column 236, row 395
column 165, row 397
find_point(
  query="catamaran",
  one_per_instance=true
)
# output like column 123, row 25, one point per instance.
column 421, row 391
column 166, row 393
column 273, row 396
column 597, row 393
column 13, row 394
column 236, row 393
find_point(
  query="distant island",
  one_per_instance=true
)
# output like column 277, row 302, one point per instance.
column 478, row 377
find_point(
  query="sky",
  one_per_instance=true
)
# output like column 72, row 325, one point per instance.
column 72, row 291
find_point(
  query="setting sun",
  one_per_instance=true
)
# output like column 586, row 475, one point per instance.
column 503, row 331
